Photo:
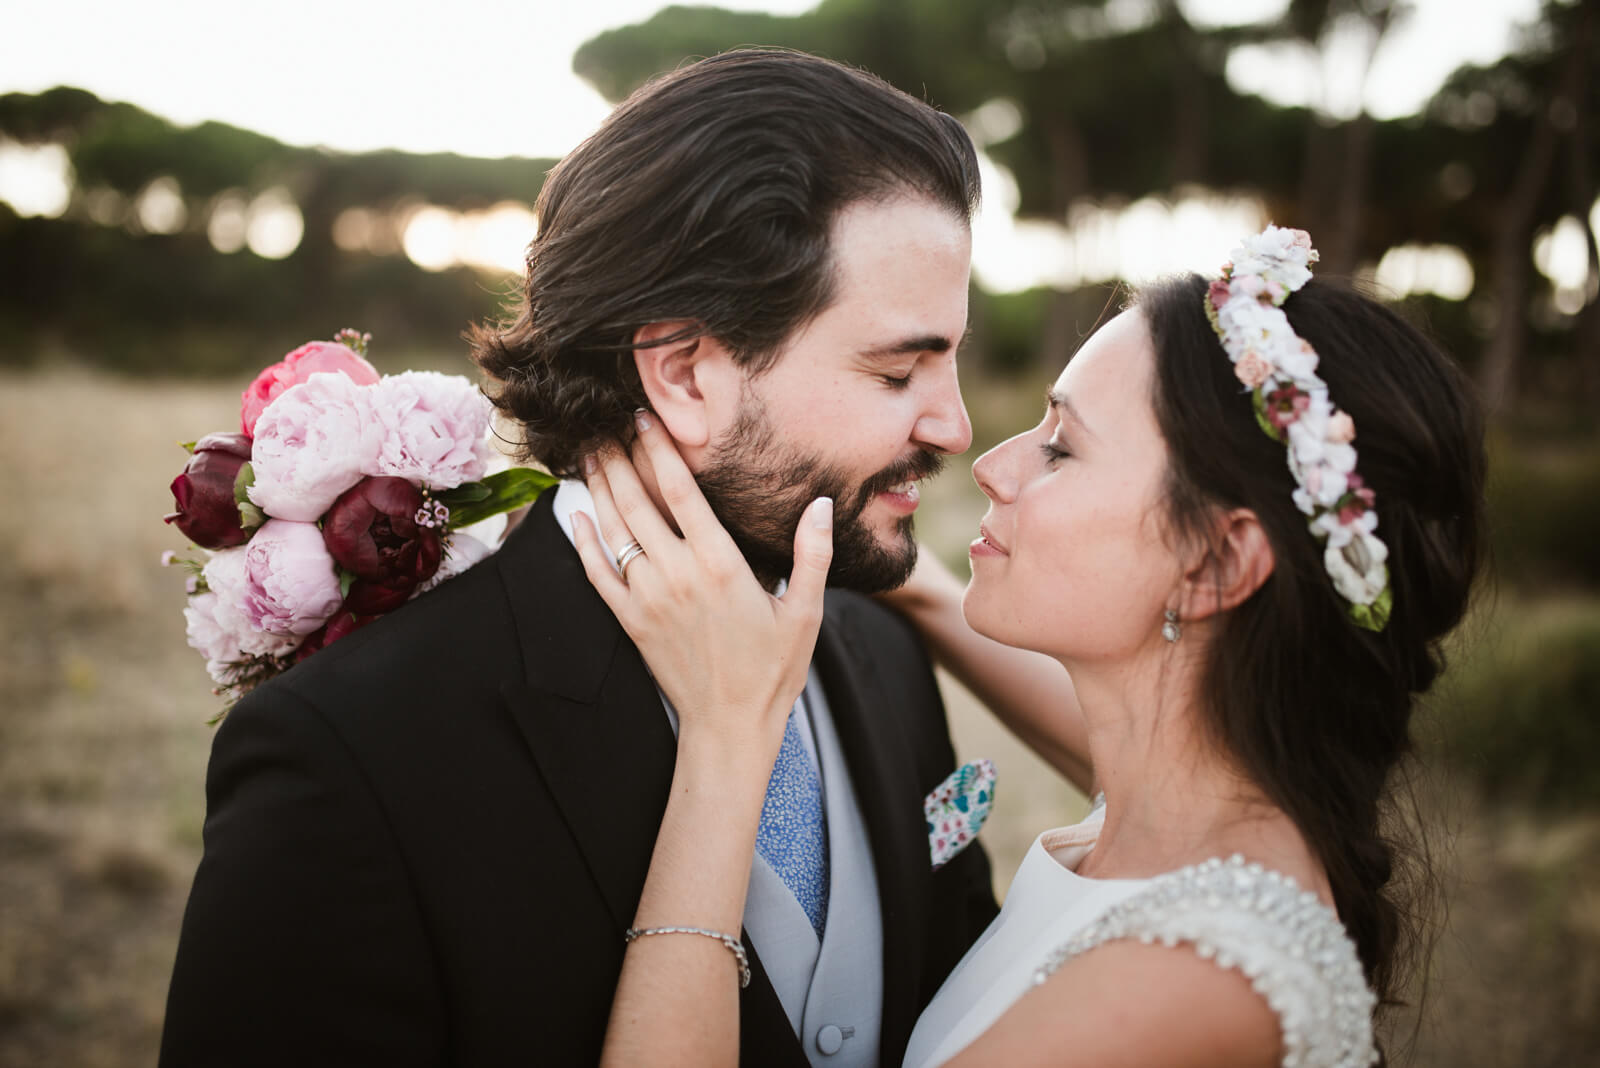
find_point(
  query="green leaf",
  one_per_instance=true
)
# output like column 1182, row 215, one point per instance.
column 250, row 516
column 466, row 493
column 346, row 580
column 1374, row 616
column 508, row 489
column 1259, row 402
column 188, row 446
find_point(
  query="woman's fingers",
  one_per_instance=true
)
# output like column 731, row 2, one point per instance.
column 679, row 490
column 602, row 576
column 813, row 555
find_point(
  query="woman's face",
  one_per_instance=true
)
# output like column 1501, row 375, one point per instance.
column 1072, row 559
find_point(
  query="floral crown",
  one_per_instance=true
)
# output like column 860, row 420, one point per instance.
column 1245, row 307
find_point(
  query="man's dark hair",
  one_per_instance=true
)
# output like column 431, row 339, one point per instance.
column 707, row 196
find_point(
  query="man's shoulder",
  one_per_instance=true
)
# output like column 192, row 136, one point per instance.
column 461, row 625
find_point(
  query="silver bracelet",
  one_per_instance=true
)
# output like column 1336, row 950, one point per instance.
column 733, row 944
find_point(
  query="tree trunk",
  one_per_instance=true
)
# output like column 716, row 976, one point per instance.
column 1514, row 237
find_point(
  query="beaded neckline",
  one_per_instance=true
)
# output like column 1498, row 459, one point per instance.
column 1243, row 916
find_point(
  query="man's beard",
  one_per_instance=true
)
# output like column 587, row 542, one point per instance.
column 760, row 489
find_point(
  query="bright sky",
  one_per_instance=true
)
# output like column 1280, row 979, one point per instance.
column 494, row 78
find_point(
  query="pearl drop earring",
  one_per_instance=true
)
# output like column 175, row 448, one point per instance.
column 1170, row 629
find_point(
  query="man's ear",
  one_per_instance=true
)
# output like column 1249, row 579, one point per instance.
column 1237, row 560
column 685, row 379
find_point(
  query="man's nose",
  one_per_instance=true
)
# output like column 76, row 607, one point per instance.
column 943, row 425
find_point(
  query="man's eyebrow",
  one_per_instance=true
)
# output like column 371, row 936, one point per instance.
column 1059, row 401
column 909, row 345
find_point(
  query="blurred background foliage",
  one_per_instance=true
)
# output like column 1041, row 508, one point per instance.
column 179, row 260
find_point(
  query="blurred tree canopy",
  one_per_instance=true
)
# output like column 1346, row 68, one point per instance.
column 1121, row 101
column 170, row 301
column 1112, row 101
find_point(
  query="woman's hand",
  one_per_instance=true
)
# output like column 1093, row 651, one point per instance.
column 731, row 656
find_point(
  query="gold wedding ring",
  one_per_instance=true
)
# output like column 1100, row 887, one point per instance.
column 630, row 552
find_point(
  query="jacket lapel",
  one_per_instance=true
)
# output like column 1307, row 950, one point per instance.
column 881, row 760
column 588, row 710
column 594, row 723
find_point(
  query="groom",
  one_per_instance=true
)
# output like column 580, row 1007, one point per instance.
column 424, row 844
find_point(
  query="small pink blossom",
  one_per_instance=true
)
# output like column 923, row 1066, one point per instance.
column 295, row 368
column 1252, row 369
column 1251, row 285
column 1218, row 293
column 1341, row 428
column 1285, row 406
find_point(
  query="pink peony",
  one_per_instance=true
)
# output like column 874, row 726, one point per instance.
column 290, row 587
column 435, row 429
column 312, row 444
column 294, row 369
column 219, row 626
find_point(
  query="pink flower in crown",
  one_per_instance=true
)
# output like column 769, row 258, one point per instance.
column 295, row 368
column 1285, row 405
column 1253, row 369
column 1251, row 285
column 1341, row 429
column 1218, row 293
column 1301, row 239
column 1357, row 501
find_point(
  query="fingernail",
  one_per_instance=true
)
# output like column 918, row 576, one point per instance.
column 588, row 464
column 822, row 513
column 642, row 417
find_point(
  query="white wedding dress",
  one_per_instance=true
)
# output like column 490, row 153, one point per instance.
column 1238, row 915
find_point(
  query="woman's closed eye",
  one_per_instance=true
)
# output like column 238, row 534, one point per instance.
column 1053, row 451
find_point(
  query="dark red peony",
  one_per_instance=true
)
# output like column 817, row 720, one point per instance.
column 208, row 513
column 373, row 533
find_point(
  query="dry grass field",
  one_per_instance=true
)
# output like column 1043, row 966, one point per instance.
column 103, row 747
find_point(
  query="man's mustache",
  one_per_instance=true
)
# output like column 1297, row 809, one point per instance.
column 921, row 464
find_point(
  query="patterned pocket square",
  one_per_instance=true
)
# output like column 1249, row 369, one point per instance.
column 957, row 808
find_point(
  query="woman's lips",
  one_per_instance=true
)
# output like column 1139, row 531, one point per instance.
column 986, row 545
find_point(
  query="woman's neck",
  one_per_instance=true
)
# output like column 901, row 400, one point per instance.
column 1172, row 797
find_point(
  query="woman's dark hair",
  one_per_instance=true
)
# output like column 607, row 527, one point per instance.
column 1315, row 710
column 707, row 196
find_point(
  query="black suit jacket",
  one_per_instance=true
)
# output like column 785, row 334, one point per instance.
column 423, row 845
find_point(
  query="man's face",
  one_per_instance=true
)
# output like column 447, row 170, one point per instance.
column 861, row 405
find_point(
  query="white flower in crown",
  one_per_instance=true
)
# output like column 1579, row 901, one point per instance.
column 1357, row 567
column 1321, row 486
column 1339, row 532
column 1293, row 356
column 1281, row 257
column 1279, row 368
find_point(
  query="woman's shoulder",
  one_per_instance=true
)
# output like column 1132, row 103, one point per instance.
column 1241, row 918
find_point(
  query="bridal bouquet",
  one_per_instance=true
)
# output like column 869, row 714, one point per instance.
column 344, row 494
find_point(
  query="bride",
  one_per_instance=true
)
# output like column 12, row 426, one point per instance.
column 1246, row 595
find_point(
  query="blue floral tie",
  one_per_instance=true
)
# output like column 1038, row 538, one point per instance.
column 793, row 836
